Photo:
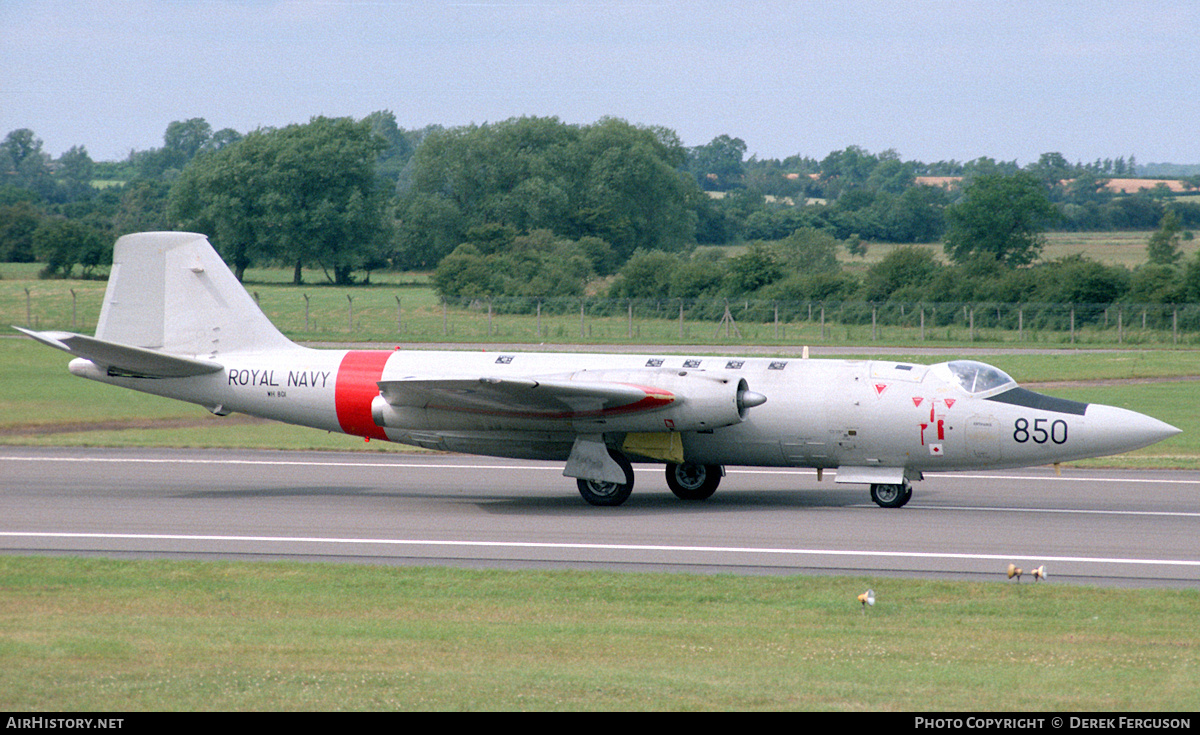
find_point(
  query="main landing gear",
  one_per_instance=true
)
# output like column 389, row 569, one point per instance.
column 891, row 496
column 596, row 492
column 688, row 481
column 694, row 481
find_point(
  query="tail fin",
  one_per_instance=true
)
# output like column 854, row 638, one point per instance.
column 171, row 292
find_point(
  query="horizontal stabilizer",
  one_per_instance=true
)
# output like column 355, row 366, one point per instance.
column 525, row 397
column 123, row 359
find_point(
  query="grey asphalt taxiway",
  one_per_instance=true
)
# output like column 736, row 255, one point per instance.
column 1106, row 527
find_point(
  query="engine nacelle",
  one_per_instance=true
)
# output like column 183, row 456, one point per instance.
column 585, row 402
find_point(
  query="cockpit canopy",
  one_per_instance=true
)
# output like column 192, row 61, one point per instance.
column 975, row 377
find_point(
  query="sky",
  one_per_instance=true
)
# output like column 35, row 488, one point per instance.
column 930, row 79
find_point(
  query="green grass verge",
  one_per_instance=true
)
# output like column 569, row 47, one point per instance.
column 90, row 634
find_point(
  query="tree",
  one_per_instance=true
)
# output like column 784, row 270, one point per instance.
column 810, row 250
column 495, row 262
column 646, row 275
column 62, row 244
column 847, row 169
column 611, row 180
column 1004, row 216
column 303, row 194
column 908, row 272
column 18, row 222
column 718, row 165
column 760, row 265
column 1163, row 246
column 75, row 172
column 182, row 141
column 23, row 163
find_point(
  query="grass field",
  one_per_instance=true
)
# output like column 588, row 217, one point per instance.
column 91, row 634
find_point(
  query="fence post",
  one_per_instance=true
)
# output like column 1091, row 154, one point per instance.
column 489, row 317
column 350, row 300
column 681, row 320
column 28, row 309
column 74, row 312
column 306, row 312
column 1120, row 325
column 1175, row 326
column 874, row 310
column 1072, row 323
column 631, row 319
column 822, row 321
column 445, row 319
column 539, row 319
column 1020, row 324
column 972, row 325
column 776, row 320
column 399, row 317
column 922, row 322
column 581, row 335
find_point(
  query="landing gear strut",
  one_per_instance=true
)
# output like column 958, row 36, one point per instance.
column 891, row 496
column 693, row 481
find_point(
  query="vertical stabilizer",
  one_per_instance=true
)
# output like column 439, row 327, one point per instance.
column 170, row 291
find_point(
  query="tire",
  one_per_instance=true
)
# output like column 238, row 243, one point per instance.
column 693, row 481
column 609, row 494
column 891, row 496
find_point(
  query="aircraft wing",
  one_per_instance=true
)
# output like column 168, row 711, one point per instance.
column 124, row 360
column 547, row 399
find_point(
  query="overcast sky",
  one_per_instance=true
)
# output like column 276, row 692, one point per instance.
column 932, row 79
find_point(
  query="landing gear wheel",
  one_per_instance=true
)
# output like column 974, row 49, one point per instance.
column 891, row 496
column 693, row 481
column 608, row 493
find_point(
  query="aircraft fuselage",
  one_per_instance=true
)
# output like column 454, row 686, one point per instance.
column 821, row 413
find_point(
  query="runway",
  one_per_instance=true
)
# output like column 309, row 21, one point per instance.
column 1113, row 528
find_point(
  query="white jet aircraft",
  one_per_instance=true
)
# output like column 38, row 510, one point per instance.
column 176, row 323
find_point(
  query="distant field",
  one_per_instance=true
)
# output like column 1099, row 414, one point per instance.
column 1126, row 249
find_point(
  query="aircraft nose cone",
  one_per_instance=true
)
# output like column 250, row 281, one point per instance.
column 1116, row 430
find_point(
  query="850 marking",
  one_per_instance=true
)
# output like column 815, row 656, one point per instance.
column 1040, row 434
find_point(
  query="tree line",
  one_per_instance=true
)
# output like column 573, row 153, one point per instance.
column 535, row 206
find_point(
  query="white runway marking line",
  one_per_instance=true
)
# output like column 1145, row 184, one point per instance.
column 598, row 547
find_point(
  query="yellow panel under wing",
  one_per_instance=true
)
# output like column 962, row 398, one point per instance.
column 664, row 445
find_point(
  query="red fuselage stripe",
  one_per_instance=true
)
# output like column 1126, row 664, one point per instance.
column 357, row 385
